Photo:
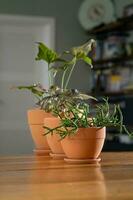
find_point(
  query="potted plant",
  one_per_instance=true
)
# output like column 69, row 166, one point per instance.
column 50, row 98
column 82, row 134
column 57, row 96
column 60, row 99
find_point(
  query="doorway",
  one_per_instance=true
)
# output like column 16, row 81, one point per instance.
column 18, row 48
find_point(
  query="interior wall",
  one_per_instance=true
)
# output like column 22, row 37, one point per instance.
column 68, row 31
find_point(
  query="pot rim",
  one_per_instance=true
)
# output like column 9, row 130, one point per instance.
column 94, row 127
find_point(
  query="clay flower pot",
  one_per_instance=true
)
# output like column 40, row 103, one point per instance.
column 35, row 121
column 85, row 146
column 54, row 139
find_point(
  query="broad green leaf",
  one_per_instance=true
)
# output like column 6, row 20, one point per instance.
column 85, row 96
column 44, row 53
column 83, row 49
column 87, row 60
column 33, row 89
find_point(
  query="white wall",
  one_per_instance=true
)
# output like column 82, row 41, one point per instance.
column 18, row 67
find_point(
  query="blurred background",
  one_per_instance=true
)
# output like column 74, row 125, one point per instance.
column 61, row 25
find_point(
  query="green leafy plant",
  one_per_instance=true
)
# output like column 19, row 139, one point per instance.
column 58, row 98
column 58, row 62
column 49, row 56
column 78, row 117
column 36, row 89
column 49, row 98
column 67, row 66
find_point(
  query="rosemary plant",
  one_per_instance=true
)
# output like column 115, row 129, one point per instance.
column 77, row 117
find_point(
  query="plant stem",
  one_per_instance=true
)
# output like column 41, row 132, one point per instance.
column 49, row 75
column 63, row 77
column 70, row 73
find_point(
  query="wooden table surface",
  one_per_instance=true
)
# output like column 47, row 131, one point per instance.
column 42, row 178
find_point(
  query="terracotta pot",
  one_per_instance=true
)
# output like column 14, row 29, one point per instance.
column 54, row 139
column 86, row 144
column 35, row 121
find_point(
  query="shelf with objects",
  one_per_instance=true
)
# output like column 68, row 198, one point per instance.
column 112, row 74
column 113, row 58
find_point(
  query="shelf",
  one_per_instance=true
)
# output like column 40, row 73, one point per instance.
column 117, row 60
column 121, row 24
column 114, row 60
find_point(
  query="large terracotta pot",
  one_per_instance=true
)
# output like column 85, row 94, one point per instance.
column 54, row 139
column 35, row 121
column 85, row 145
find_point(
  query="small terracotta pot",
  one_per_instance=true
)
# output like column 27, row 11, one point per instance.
column 86, row 144
column 35, row 121
column 54, row 139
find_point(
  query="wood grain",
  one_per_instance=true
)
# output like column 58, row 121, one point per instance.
column 42, row 178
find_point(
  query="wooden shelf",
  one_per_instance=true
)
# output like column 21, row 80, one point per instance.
column 121, row 24
column 114, row 60
column 104, row 64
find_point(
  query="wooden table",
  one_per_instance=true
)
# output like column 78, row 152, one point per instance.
column 42, row 178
